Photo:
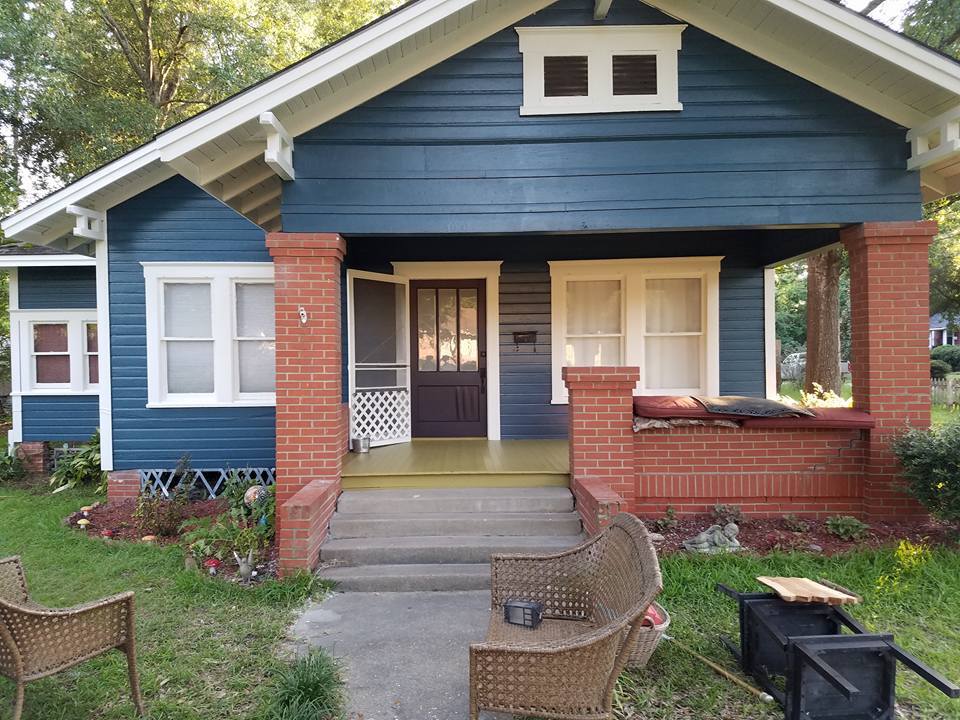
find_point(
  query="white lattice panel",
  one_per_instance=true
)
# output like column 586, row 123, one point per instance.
column 381, row 415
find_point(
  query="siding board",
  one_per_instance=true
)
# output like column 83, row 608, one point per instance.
column 175, row 221
column 448, row 152
column 64, row 418
column 45, row 288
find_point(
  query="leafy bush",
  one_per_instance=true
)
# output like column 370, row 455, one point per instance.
column 795, row 524
column 310, row 689
column 262, row 513
column 11, row 469
column 950, row 354
column 847, row 527
column 725, row 514
column 219, row 537
column 939, row 369
column 931, row 466
column 158, row 515
column 667, row 522
column 81, row 468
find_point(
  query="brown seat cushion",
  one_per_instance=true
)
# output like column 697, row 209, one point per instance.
column 670, row 406
column 842, row 418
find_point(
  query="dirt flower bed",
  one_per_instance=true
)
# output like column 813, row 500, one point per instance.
column 117, row 521
column 766, row 535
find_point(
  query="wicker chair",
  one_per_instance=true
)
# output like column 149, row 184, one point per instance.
column 36, row 641
column 594, row 598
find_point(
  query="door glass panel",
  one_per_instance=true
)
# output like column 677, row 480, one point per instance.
column 447, row 322
column 427, row 329
column 469, row 348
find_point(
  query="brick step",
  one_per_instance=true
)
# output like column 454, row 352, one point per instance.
column 420, row 524
column 457, row 500
column 409, row 578
column 459, row 549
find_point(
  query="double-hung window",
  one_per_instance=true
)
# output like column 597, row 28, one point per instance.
column 54, row 353
column 659, row 315
column 210, row 334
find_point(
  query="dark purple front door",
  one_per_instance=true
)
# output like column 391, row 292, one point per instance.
column 449, row 360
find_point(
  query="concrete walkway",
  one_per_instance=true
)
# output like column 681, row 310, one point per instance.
column 405, row 654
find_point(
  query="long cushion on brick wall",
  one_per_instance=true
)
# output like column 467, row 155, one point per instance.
column 846, row 418
column 669, row 406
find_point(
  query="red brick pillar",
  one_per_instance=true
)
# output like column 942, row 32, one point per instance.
column 123, row 485
column 311, row 433
column 601, row 435
column 34, row 456
column 889, row 308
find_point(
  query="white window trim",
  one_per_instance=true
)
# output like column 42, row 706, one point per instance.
column 599, row 44
column 222, row 278
column 22, row 322
column 634, row 274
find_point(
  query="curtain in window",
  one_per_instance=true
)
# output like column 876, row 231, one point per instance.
column 256, row 337
column 188, row 337
column 674, row 333
column 594, row 323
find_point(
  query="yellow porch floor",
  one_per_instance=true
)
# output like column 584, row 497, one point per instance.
column 466, row 462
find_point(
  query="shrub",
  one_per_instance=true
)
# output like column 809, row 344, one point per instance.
column 219, row 537
column 158, row 515
column 950, row 354
column 262, row 513
column 667, row 522
column 310, row 689
column 847, row 527
column 81, row 468
column 11, row 469
column 725, row 514
column 795, row 524
column 931, row 466
column 939, row 369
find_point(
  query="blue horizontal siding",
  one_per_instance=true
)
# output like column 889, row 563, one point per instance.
column 175, row 221
column 43, row 288
column 448, row 152
column 60, row 417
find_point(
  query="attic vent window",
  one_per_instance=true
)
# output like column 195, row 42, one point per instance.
column 626, row 68
column 565, row 76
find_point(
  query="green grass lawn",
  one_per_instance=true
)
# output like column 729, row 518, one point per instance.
column 942, row 415
column 207, row 649
column 923, row 611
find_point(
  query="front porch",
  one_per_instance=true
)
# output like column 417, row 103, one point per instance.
column 689, row 324
column 460, row 463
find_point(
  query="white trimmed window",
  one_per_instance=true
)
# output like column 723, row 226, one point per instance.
column 210, row 334
column 53, row 353
column 659, row 315
column 626, row 68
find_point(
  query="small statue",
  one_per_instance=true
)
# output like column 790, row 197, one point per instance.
column 244, row 565
column 715, row 539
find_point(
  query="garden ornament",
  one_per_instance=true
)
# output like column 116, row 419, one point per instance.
column 245, row 565
column 254, row 495
column 715, row 539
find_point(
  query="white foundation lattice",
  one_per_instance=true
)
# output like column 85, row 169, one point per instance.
column 381, row 415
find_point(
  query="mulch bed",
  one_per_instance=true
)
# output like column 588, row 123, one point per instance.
column 118, row 517
column 765, row 535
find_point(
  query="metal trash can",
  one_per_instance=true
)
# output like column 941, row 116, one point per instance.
column 361, row 445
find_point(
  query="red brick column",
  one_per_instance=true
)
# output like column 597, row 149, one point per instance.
column 123, row 485
column 889, row 307
column 601, row 428
column 311, row 436
column 34, row 456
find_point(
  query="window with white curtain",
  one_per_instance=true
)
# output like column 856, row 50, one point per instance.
column 210, row 334
column 659, row 315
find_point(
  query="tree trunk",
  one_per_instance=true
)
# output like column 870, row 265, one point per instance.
column 823, row 321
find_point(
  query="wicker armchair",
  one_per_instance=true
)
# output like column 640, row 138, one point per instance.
column 594, row 597
column 36, row 641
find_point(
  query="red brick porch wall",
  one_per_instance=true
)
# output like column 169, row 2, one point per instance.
column 814, row 472
column 311, row 430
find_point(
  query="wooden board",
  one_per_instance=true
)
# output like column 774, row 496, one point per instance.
column 804, row 590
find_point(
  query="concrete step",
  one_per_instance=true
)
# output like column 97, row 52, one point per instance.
column 498, row 479
column 371, row 525
column 457, row 500
column 461, row 549
column 409, row 578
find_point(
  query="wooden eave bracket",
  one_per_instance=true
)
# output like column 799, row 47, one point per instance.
column 279, row 152
column 601, row 8
column 90, row 224
column 935, row 140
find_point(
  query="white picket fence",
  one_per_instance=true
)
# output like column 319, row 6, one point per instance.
column 945, row 391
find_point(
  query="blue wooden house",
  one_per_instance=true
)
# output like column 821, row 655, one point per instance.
column 409, row 234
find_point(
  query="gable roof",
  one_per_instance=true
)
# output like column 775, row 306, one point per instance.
column 222, row 149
